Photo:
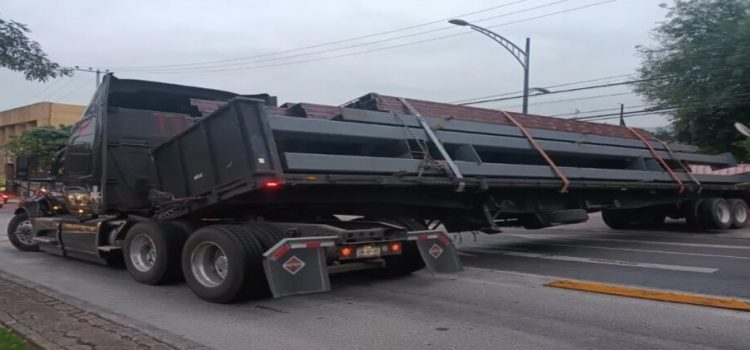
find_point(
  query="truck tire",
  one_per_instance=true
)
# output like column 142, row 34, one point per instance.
column 267, row 235
column 151, row 252
column 690, row 210
column 20, row 233
column 409, row 260
column 624, row 219
column 223, row 263
column 616, row 219
column 739, row 211
column 567, row 216
column 715, row 213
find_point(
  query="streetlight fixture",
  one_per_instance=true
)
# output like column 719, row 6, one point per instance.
column 522, row 56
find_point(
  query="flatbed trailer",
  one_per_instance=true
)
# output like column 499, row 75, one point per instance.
column 241, row 198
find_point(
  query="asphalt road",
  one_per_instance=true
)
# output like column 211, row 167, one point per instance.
column 498, row 302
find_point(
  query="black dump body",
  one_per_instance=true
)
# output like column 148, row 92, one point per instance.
column 111, row 146
column 214, row 153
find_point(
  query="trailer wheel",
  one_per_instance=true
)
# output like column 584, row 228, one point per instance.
column 691, row 210
column 739, row 211
column 151, row 251
column 622, row 219
column 409, row 260
column 715, row 213
column 223, row 263
column 20, row 233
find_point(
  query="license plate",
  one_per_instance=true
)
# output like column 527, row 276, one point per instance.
column 368, row 251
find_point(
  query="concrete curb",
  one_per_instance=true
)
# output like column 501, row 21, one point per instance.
column 121, row 320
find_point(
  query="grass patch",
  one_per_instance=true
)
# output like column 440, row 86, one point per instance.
column 11, row 341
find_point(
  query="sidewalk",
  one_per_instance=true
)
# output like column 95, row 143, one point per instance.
column 54, row 321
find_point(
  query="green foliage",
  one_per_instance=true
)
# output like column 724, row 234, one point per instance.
column 41, row 143
column 10, row 341
column 19, row 53
column 701, row 67
column 664, row 134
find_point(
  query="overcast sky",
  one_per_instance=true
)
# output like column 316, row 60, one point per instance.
column 137, row 39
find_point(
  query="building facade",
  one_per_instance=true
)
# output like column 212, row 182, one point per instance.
column 14, row 122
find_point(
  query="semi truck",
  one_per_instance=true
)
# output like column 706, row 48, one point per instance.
column 243, row 198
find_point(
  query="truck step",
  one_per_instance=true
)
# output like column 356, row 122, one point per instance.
column 109, row 248
column 45, row 240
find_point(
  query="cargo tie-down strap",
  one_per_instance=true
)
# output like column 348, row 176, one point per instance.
column 452, row 169
column 532, row 141
column 685, row 168
column 659, row 159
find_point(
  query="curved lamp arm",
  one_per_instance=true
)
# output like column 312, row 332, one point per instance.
column 514, row 50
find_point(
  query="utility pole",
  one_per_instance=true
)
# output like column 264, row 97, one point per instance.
column 92, row 70
column 622, row 114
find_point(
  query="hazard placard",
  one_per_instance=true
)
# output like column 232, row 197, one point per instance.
column 436, row 251
column 293, row 265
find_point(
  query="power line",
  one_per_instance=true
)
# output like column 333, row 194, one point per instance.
column 583, row 88
column 545, row 86
column 62, row 87
column 696, row 104
column 599, row 86
column 368, row 43
column 382, row 48
column 43, row 90
column 595, row 111
column 78, row 87
column 331, row 42
column 573, row 99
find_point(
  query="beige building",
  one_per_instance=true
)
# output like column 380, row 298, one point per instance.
column 15, row 121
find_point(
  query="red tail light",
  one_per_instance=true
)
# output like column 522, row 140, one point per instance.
column 395, row 247
column 346, row 252
column 271, row 184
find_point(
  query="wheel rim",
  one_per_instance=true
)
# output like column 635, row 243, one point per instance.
column 723, row 213
column 209, row 264
column 143, row 253
column 740, row 213
column 23, row 232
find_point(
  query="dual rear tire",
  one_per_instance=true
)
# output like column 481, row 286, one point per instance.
column 716, row 213
column 700, row 214
column 151, row 252
column 220, row 263
column 224, row 263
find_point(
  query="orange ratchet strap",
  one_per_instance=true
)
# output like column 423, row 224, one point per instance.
column 661, row 161
column 566, row 182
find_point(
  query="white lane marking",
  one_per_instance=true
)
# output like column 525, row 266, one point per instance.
column 701, row 245
column 562, row 237
column 466, row 254
column 651, row 251
column 599, row 261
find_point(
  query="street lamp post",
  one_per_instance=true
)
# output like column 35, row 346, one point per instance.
column 522, row 56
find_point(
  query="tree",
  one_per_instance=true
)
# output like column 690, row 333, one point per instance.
column 40, row 143
column 700, row 69
column 664, row 134
column 19, row 53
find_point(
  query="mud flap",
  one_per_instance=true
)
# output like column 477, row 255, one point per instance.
column 298, row 266
column 437, row 251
